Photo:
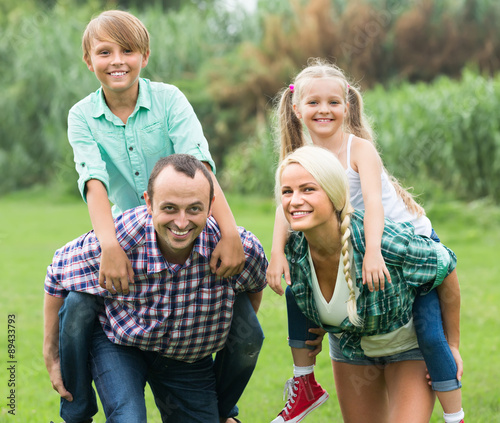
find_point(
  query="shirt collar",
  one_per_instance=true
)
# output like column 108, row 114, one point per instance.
column 143, row 100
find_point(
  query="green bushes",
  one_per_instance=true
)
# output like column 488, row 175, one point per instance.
column 441, row 136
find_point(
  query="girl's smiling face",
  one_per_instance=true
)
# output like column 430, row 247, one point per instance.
column 322, row 107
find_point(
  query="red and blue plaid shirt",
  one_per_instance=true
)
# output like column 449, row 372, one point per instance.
column 181, row 311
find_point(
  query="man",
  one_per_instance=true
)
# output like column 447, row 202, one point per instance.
column 177, row 312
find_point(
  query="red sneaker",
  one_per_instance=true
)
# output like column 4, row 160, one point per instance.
column 304, row 396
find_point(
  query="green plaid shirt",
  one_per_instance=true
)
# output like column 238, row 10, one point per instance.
column 413, row 261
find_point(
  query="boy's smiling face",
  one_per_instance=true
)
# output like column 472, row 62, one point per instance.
column 116, row 68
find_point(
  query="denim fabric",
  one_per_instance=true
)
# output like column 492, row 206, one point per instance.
column 433, row 344
column 336, row 355
column 76, row 325
column 235, row 363
column 298, row 324
column 183, row 392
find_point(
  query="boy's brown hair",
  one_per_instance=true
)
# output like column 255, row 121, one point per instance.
column 119, row 27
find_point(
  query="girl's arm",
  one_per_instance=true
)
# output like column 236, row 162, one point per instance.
column 228, row 257
column 115, row 271
column 368, row 164
column 278, row 264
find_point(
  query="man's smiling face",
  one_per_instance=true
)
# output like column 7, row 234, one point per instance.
column 180, row 207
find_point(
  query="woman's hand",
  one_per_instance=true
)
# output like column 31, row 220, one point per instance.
column 278, row 267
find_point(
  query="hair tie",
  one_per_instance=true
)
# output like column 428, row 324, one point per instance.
column 292, row 87
column 348, row 87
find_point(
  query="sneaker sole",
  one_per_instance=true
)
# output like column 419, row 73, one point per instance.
column 303, row 415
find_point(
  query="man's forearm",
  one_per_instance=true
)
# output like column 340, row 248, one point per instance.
column 51, row 326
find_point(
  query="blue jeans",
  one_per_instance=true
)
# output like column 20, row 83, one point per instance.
column 183, row 392
column 298, row 324
column 433, row 344
column 233, row 365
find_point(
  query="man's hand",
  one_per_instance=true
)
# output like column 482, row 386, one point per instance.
column 116, row 271
column 228, row 257
column 54, row 368
column 317, row 342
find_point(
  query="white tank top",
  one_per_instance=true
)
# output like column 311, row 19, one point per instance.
column 332, row 312
column 394, row 206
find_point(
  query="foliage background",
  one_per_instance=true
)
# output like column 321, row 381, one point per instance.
column 437, row 123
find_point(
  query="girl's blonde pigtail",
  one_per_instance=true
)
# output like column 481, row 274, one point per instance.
column 289, row 125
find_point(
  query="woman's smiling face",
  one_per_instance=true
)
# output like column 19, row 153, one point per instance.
column 305, row 204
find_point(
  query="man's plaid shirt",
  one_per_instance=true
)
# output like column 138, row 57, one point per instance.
column 181, row 311
column 413, row 261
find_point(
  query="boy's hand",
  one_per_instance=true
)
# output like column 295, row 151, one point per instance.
column 116, row 271
column 375, row 271
column 278, row 267
column 228, row 257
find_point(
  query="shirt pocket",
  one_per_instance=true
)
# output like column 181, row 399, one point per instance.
column 112, row 145
column 155, row 140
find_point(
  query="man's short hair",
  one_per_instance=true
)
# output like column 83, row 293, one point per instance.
column 182, row 163
column 118, row 27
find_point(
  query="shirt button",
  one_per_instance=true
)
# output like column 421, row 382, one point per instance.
column 142, row 197
column 136, row 173
column 292, row 260
column 131, row 148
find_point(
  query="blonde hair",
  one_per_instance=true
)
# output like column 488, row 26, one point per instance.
column 290, row 129
column 330, row 175
column 119, row 27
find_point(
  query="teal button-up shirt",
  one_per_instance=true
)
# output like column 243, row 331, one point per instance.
column 122, row 156
column 413, row 261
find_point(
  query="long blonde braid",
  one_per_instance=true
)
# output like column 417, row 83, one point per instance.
column 345, row 232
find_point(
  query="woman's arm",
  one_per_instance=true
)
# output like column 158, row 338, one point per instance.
column 449, row 300
column 278, row 265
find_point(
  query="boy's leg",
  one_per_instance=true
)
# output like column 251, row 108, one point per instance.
column 183, row 392
column 235, row 363
column 76, row 325
column 120, row 375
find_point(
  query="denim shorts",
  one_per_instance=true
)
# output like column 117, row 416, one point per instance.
column 336, row 355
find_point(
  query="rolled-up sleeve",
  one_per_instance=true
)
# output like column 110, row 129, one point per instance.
column 184, row 128
column 87, row 157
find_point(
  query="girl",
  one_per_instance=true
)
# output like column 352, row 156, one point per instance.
column 377, row 365
column 332, row 110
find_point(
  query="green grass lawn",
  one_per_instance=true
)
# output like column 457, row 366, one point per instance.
column 34, row 225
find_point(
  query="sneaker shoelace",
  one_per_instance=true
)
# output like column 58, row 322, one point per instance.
column 290, row 394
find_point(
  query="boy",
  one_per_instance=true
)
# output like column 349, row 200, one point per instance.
column 117, row 135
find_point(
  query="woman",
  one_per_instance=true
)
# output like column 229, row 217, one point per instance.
column 379, row 372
